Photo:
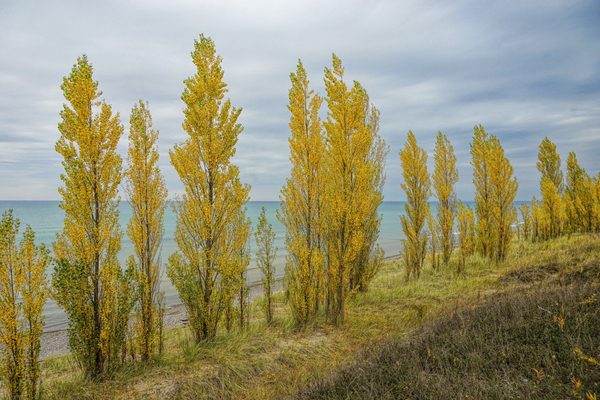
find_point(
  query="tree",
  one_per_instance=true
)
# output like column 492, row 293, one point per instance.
column 23, row 293
column 265, row 257
column 33, row 261
column 503, row 189
column 526, row 216
column 444, row 179
column 466, row 233
column 417, row 187
column 549, row 164
column 212, row 229
column 434, row 240
column 480, row 160
column 303, row 200
column 371, row 256
column 536, row 220
column 88, row 280
column 351, row 188
column 580, row 190
column 552, row 209
column 147, row 194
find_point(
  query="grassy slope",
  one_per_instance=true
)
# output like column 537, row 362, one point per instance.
column 444, row 336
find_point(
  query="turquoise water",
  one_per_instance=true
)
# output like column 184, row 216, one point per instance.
column 46, row 219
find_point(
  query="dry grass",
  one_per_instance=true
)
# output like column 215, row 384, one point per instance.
column 395, row 317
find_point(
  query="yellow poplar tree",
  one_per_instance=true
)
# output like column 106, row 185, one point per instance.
column 212, row 229
column 444, row 180
column 466, row 232
column 485, row 229
column 351, row 188
column 371, row 256
column 549, row 164
column 552, row 208
column 503, row 189
column 302, row 200
column 147, row 194
column 417, row 187
column 580, row 190
column 23, row 293
column 11, row 327
column 265, row 257
column 33, row 261
column 88, row 282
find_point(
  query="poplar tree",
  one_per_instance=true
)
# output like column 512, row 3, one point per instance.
column 552, row 209
column 88, row 282
column 549, row 164
column 551, row 186
column 147, row 193
column 302, row 211
column 413, row 160
column 503, row 189
column 371, row 256
column 212, row 229
column 265, row 257
column 466, row 233
column 351, row 187
column 444, row 180
column 485, row 229
column 580, row 190
column 23, row 293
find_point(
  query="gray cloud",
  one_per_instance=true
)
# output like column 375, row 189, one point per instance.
column 524, row 71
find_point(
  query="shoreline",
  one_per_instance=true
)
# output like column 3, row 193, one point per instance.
column 56, row 343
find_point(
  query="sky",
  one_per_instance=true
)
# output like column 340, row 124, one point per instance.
column 524, row 70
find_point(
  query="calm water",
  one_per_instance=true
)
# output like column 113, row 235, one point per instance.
column 46, row 219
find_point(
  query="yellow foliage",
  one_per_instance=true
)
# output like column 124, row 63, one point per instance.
column 265, row 257
column 303, row 200
column 582, row 205
column 549, row 164
column 552, row 210
column 212, row 229
column 91, row 237
column 417, row 187
column 466, row 231
column 503, row 191
column 147, row 194
column 480, row 160
column 354, row 174
column 444, row 179
column 23, row 292
column 495, row 191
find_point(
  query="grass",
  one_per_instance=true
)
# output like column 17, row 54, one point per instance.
column 482, row 334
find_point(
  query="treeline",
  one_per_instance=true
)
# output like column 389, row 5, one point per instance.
column 328, row 207
column 485, row 230
column 488, row 230
column 567, row 206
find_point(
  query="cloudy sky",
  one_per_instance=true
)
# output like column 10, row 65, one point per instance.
column 524, row 70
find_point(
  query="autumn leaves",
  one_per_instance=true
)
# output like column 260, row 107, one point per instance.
column 329, row 204
column 212, row 228
column 487, row 231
